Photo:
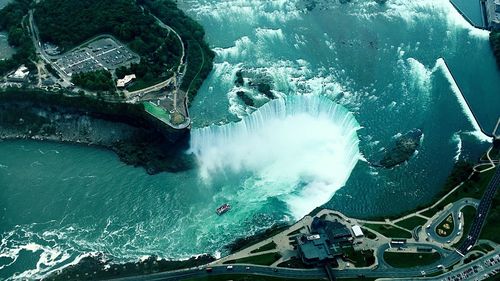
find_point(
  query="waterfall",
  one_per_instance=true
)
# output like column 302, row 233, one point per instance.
column 300, row 150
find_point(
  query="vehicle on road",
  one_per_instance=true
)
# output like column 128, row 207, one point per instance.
column 229, row 267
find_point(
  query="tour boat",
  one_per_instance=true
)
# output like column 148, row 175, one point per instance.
column 222, row 209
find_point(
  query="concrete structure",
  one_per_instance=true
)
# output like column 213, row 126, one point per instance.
column 493, row 13
column 314, row 249
column 20, row 75
column 358, row 233
column 122, row 83
column 336, row 232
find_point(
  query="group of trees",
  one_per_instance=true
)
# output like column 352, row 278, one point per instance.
column 199, row 55
column 68, row 23
column 11, row 18
column 495, row 44
column 99, row 80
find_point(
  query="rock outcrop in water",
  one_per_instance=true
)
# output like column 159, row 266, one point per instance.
column 257, row 83
column 404, row 147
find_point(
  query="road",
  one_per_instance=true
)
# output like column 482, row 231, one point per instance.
column 454, row 210
column 37, row 43
column 467, row 272
column 481, row 213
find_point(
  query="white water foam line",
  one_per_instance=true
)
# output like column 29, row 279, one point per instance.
column 478, row 132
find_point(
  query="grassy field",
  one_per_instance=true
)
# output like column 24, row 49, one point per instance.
column 269, row 246
column 368, row 234
column 406, row 260
column 473, row 188
column 389, row 231
column 265, row 259
column 411, row 222
column 245, row 277
column 157, row 112
column 359, row 258
column 483, row 248
column 468, row 212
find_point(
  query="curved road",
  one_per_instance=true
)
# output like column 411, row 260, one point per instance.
column 481, row 213
column 454, row 211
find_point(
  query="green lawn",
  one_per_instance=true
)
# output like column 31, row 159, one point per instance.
column 157, row 112
column 269, row 246
column 246, row 277
column 468, row 213
column 389, row 231
column 406, row 260
column 294, row 263
column 359, row 258
column 265, row 259
column 473, row 188
column 486, row 248
column 412, row 222
column 368, row 234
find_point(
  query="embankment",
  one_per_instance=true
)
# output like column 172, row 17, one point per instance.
column 124, row 128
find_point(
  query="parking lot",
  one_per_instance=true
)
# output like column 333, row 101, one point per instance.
column 487, row 268
column 104, row 53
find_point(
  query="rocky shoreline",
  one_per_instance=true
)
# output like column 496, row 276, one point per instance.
column 143, row 146
column 96, row 267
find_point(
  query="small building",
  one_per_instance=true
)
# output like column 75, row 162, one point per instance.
column 122, row 83
column 358, row 233
column 20, row 75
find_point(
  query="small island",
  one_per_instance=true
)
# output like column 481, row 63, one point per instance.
column 403, row 149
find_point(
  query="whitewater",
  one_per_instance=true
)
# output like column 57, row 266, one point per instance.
column 346, row 79
column 300, row 149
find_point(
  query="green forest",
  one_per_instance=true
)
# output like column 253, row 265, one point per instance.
column 99, row 80
column 199, row 55
column 68, row 23
column 11, row 18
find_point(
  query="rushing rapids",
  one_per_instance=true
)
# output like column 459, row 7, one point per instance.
column 300, row 149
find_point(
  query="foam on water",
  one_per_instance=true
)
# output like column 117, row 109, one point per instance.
column 458, row 140
column 440, row 63
column 300, row 149
column 426, row 10
column 251, row 12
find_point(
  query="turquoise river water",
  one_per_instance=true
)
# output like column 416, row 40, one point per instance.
column 350, row 77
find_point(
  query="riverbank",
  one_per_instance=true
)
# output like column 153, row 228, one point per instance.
column 98, row 268
column 122, row 128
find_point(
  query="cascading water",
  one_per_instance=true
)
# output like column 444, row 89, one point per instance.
column 300, row 150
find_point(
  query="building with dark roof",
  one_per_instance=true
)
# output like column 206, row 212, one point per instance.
column 314, row 249
column 335, row 231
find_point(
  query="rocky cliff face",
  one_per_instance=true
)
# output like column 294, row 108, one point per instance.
column 137, row 146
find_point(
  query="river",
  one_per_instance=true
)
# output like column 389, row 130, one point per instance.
column 382, row 63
